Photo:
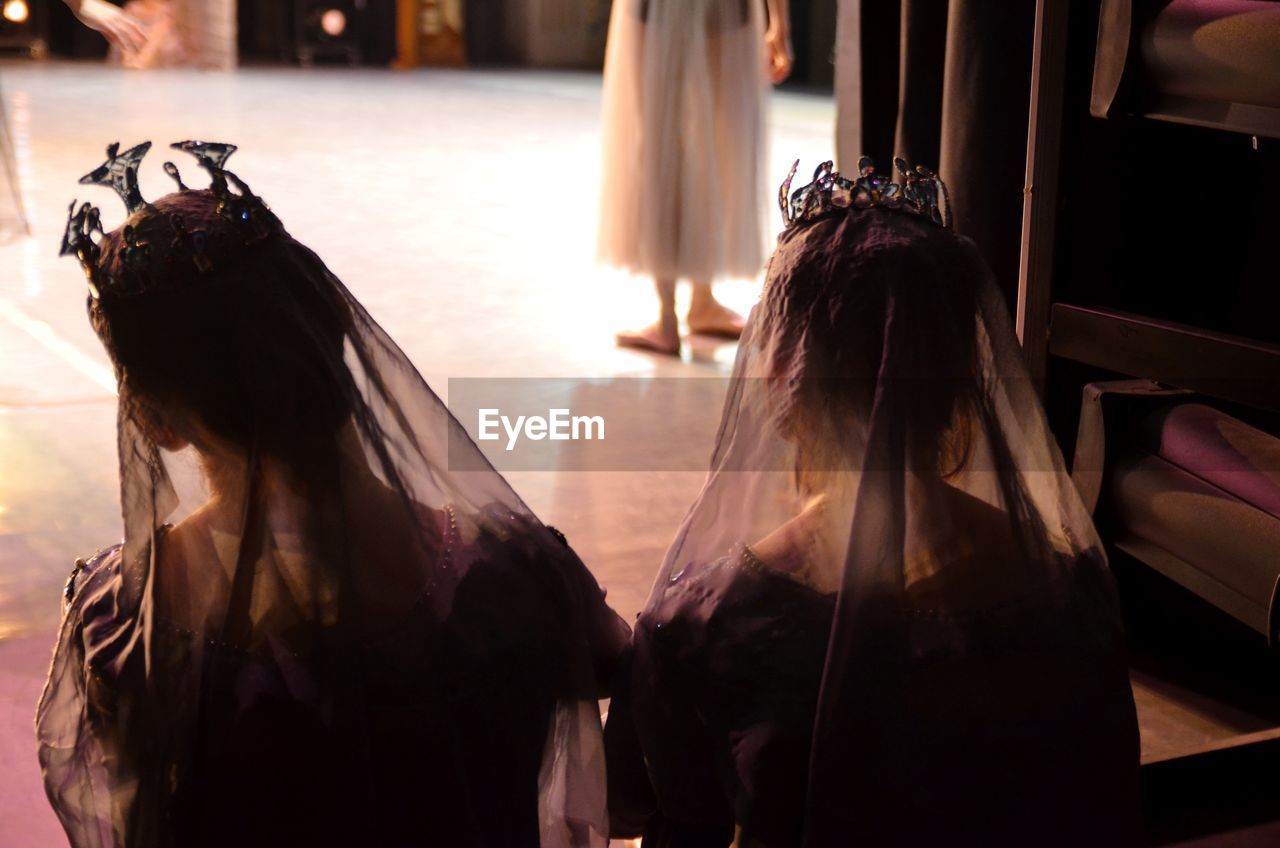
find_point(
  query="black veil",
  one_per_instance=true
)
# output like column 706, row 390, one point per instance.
column 314, row 632
column 883, row 439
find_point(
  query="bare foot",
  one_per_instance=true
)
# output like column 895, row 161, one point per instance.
column 716, row 319
column 656, row 337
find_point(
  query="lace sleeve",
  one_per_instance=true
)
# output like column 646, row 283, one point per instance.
column 85, row 570
column 71, row 751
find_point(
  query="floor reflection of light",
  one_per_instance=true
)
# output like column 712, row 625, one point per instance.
column 32, row 274
column 19, row 126
column 97, row 373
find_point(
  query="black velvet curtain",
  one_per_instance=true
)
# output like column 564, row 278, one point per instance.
column 944, row 83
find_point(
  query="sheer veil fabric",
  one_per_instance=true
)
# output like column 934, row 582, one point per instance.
column 315, row 632
column 882, row 446
column 684, row 116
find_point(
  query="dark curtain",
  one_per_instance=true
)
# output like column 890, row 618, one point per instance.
column 70, row 38
column 484, row 23
column 268, row 32
column 945, row 83
column 812, row 37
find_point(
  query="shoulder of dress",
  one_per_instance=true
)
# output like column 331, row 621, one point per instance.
column 689, row 598
column 509, row 525
column 86, row 567
column 559, row 537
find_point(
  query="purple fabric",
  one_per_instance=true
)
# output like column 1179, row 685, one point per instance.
column 1224, row 451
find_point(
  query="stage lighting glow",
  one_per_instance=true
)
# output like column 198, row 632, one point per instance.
column 16, row 11
column 333, row 22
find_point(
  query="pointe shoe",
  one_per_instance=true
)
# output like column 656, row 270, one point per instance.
column 651, row 338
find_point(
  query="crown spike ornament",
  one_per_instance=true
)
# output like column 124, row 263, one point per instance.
column 212, row 156
column 120, row 173
column 918, row 192
column 172, row 171
column 143, row 268
column 77, row 241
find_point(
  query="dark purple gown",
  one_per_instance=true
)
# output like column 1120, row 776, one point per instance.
column 455, row 717
column 713, row 729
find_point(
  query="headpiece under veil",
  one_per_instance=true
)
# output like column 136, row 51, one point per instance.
column 315, row 632
column 882, row 438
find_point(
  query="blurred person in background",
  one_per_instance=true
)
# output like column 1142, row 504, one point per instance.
column 165, row 33
column 683, row 191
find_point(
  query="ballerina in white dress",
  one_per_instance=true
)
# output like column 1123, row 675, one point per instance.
column 685, row 87
column 165, row 33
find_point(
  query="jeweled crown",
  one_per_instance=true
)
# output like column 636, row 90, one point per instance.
column 250, row 219
column 918, row 192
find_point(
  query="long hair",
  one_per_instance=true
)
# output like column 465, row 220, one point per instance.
column 251, row 349
column 877, row 301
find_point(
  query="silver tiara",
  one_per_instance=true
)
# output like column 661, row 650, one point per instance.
column 917, row 192
column 250, row 218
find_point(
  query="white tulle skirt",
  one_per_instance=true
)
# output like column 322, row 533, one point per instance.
column 685, row 94
column 208, row 31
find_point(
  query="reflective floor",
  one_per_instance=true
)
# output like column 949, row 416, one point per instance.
column 458, row 206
